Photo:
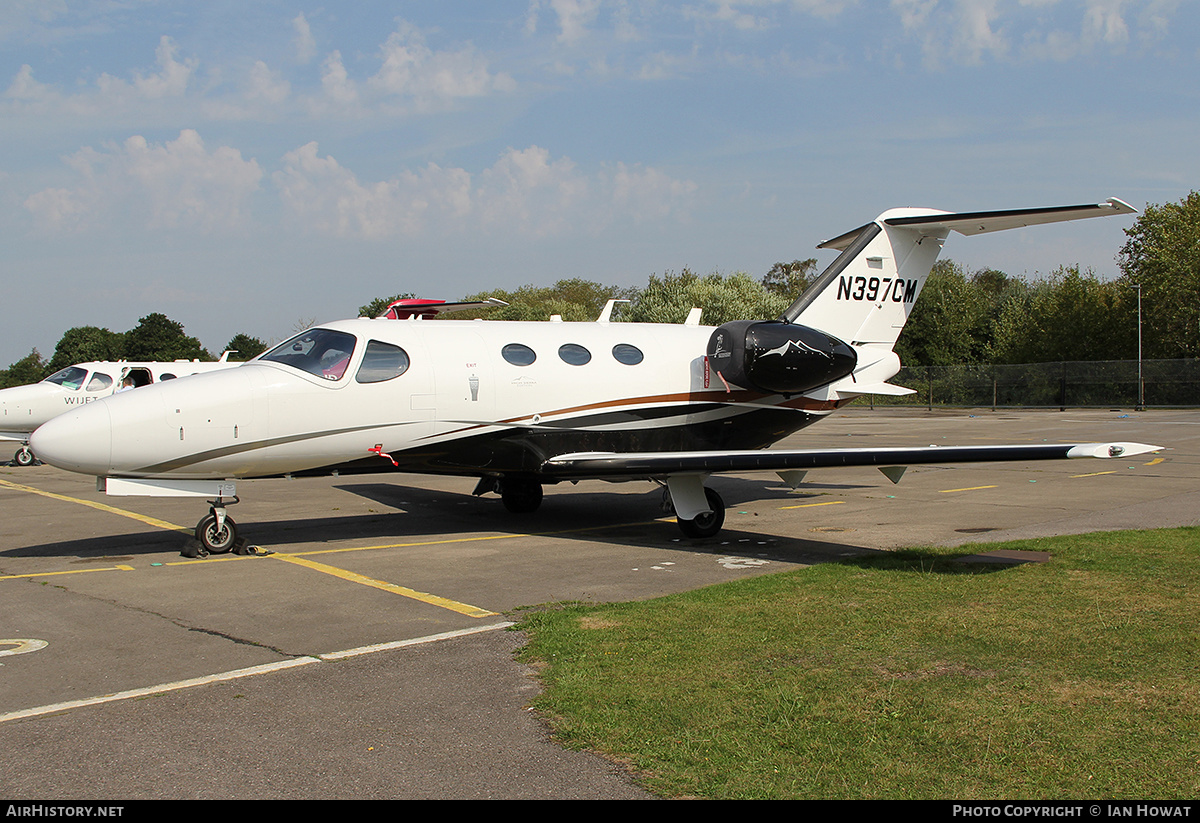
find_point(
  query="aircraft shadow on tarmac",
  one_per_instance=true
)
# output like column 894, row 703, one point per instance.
column 604, row 516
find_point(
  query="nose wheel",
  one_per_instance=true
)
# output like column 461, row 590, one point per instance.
column 23, row 457
column 216, row 531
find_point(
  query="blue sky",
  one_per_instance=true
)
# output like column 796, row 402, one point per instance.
column 248, row 166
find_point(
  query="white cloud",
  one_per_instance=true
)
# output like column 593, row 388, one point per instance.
column 265, row 85
column 526, row 191
column 176, row 184
column 24, row 87
column 339, row 90
column 647, row 193
column 324, row 196
column 170, row 81
column 971, row 32
column 411, row 69
column 306, row 44
column 529, row 191
column 574, row 16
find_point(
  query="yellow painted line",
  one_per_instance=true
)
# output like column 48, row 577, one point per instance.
column 1093, row 474
column 149, row 521
column 425, row 543
column 810, row 505
column 968, row 489
column 120, row 568
column 424, row 597
column 1155, row 461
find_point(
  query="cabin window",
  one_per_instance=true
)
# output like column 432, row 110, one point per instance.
column 518, row 354
column 69, row 378
column 99, row 382
column 165, row 376
column 628, row 354
column 574, row 354
column 140, row 377
column 321, row 352
column 381, row 361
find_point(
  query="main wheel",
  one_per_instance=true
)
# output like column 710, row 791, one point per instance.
column 521, row 496
column 214, row 540
column 23, row 457
column 705, row 525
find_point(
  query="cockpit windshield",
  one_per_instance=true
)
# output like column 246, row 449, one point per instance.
column 69, row 378
column 322, row 352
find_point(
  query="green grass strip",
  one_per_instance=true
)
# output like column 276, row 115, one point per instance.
column 900, row 675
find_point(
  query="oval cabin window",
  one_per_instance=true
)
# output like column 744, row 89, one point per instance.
column 628, row 354
column 574, row 354
column 518, row 354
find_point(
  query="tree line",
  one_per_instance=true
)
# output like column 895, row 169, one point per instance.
column 984, row 317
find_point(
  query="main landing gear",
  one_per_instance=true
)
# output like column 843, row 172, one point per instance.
column 707, row 524
column 216, row 532
column 523, row 495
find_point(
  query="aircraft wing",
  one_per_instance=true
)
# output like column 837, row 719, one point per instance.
column 659, row 464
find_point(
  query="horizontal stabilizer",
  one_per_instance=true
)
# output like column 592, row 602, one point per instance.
column 981, row 222
column 656, row 464
column 987, row 221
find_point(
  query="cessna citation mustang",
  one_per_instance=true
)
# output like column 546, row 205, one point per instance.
column 24, row 408
column 519, row 405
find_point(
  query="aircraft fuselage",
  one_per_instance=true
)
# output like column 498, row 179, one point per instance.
column 474, row 398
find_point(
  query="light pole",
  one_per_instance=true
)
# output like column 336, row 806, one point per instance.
column 1141, row 387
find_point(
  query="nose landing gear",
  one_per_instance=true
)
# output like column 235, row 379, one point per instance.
column 216, row 532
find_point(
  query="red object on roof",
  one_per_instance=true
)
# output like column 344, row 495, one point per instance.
column 412, row 307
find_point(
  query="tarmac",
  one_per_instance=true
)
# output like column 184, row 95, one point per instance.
column 368, row 651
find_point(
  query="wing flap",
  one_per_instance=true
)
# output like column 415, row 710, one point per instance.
column 581, row 465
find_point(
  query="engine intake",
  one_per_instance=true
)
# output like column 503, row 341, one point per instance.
column 777, row 357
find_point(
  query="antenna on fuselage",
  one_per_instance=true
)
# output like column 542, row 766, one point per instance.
column 606, row 314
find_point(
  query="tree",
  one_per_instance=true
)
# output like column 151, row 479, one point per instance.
column 670, row 298
column 949, row 323
column 790, row 279
column 83, row 344
column 245, row 347
column 157, row 337
column 1070, row 315
column 572, row 299
column 29, row 369
column 1162, row 255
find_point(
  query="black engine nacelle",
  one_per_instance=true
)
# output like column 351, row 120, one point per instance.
column 777, row 357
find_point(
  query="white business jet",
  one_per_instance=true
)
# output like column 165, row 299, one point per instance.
column 522, row 404
column 24, row 408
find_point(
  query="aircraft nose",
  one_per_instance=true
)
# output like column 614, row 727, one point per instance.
column 78, row 441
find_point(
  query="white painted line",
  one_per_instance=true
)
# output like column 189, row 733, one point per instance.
column 237, row 674
column 399, row 644
column 22, row 646
column 165, row 687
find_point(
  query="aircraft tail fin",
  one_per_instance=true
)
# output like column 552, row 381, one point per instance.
column 867, row 294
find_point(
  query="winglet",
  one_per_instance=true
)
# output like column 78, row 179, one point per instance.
column 1111, row 449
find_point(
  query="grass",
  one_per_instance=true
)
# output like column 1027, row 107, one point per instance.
column 902, row 675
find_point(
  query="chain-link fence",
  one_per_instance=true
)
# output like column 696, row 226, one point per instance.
column 1097, row 383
